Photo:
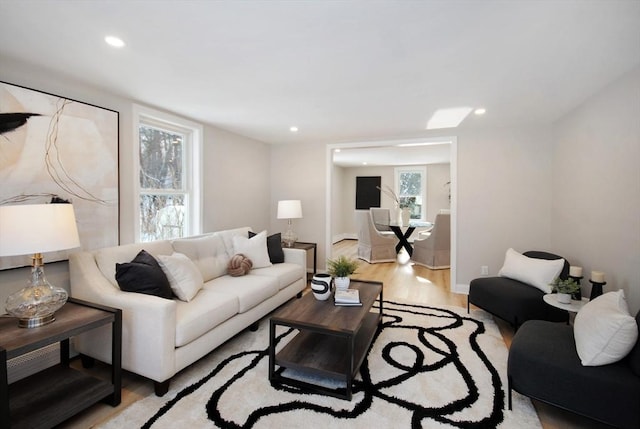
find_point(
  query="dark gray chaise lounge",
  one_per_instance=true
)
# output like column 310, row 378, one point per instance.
column 544, row 364
column 514, row 301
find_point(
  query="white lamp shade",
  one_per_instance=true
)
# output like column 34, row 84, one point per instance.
column 37, row 228
column 289, row 209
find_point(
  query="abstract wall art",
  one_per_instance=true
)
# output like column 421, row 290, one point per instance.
column 55, row 147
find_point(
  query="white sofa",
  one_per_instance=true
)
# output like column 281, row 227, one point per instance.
column 163, row 336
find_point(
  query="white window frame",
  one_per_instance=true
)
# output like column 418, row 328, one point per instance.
column 192, row 157
column 423, row 184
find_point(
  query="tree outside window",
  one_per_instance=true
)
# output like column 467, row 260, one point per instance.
column 169, row 179
column 411, row 190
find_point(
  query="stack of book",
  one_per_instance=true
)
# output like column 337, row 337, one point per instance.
column 347, row 298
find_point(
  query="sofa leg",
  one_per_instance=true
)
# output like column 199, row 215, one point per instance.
column 467, row 304
column 87, row 361
column 509, row 391
column 254, row 326
column 299, row 295
column 161, row 387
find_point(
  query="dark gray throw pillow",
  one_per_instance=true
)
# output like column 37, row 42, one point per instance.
column 143, row 275
column 274, row 247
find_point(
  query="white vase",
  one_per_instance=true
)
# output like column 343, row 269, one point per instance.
column 398, row 213
column 406, row 216
column 342, row 283
column 321, row 286
column 564, row 298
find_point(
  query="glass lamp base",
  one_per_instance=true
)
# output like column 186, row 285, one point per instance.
column 289, row 238
column 34, row 322
column 35, row 304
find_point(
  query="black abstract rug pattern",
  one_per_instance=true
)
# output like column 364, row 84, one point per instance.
column 428, row 367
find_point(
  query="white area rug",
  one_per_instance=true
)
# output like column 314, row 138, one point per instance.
column 428, row 368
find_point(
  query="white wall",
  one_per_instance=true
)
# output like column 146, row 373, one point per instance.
column 236, row 181
column 504, row 196
column 596, row 184
column 345, row 179
column 236, row 169
column 437, row 190
column 299, row 172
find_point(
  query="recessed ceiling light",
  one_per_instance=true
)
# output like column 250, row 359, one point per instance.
column 448, row 118
column 114, row 41
column 364, row 163
column 337, row 150
column 480, row 111
column 293, row 129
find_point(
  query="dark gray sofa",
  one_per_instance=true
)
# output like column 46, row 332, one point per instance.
column 544, row 365
column 514, row 301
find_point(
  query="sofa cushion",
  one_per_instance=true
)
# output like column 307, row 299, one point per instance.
column 285, row 273
column 107, row 258
column 207, row 252
column 143, row 275
column 274, row 247
column 251, row 289
column 206, row 311
column 254, row 248
column 605, row 332
column 184, row 277
column 227, row 237
column 536, row 272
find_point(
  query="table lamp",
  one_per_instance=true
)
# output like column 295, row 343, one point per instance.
column 289, row 209
column 35, row 229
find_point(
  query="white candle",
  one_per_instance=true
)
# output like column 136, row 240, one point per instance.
column 575, row 271
column 597, row 276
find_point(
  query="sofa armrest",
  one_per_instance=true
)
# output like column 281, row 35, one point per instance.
column 148, row 322
column 296, row 256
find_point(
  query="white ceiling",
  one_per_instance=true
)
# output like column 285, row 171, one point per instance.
column 435, row 152
column 338, row 70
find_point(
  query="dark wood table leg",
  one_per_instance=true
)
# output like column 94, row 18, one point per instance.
column 403, row 238
column 116, row 358
column 5, row 412
column 272, row 349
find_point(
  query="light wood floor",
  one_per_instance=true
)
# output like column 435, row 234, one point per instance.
column 408, row 282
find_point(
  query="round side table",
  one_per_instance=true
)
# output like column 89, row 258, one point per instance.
column 573, row 307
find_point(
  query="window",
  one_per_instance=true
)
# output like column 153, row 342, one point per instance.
column 412, row 190
column 169, row 179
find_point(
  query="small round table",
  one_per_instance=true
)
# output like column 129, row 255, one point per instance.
column 573, row 307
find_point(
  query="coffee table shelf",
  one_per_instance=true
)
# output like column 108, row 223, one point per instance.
column 324, row 354
column 331, row 342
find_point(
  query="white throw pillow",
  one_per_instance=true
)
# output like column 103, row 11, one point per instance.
column 254, row 248
column 184, row 276
column 533, row 271
column 604, row 330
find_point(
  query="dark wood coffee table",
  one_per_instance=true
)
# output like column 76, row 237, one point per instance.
column 331, row 341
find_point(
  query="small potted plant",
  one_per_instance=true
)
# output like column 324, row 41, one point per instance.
column 565, row 288
column 341, row 268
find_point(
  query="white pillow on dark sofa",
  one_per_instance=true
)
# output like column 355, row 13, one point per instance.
column 533, row 271
column 604, row 330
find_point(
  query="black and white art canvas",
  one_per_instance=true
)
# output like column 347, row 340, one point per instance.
column 53, row 146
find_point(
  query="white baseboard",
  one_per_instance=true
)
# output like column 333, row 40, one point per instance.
column 344, row 236
column 461, row 288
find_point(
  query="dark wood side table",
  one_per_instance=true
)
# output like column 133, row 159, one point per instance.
column 48, row 398
column 307, row 246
